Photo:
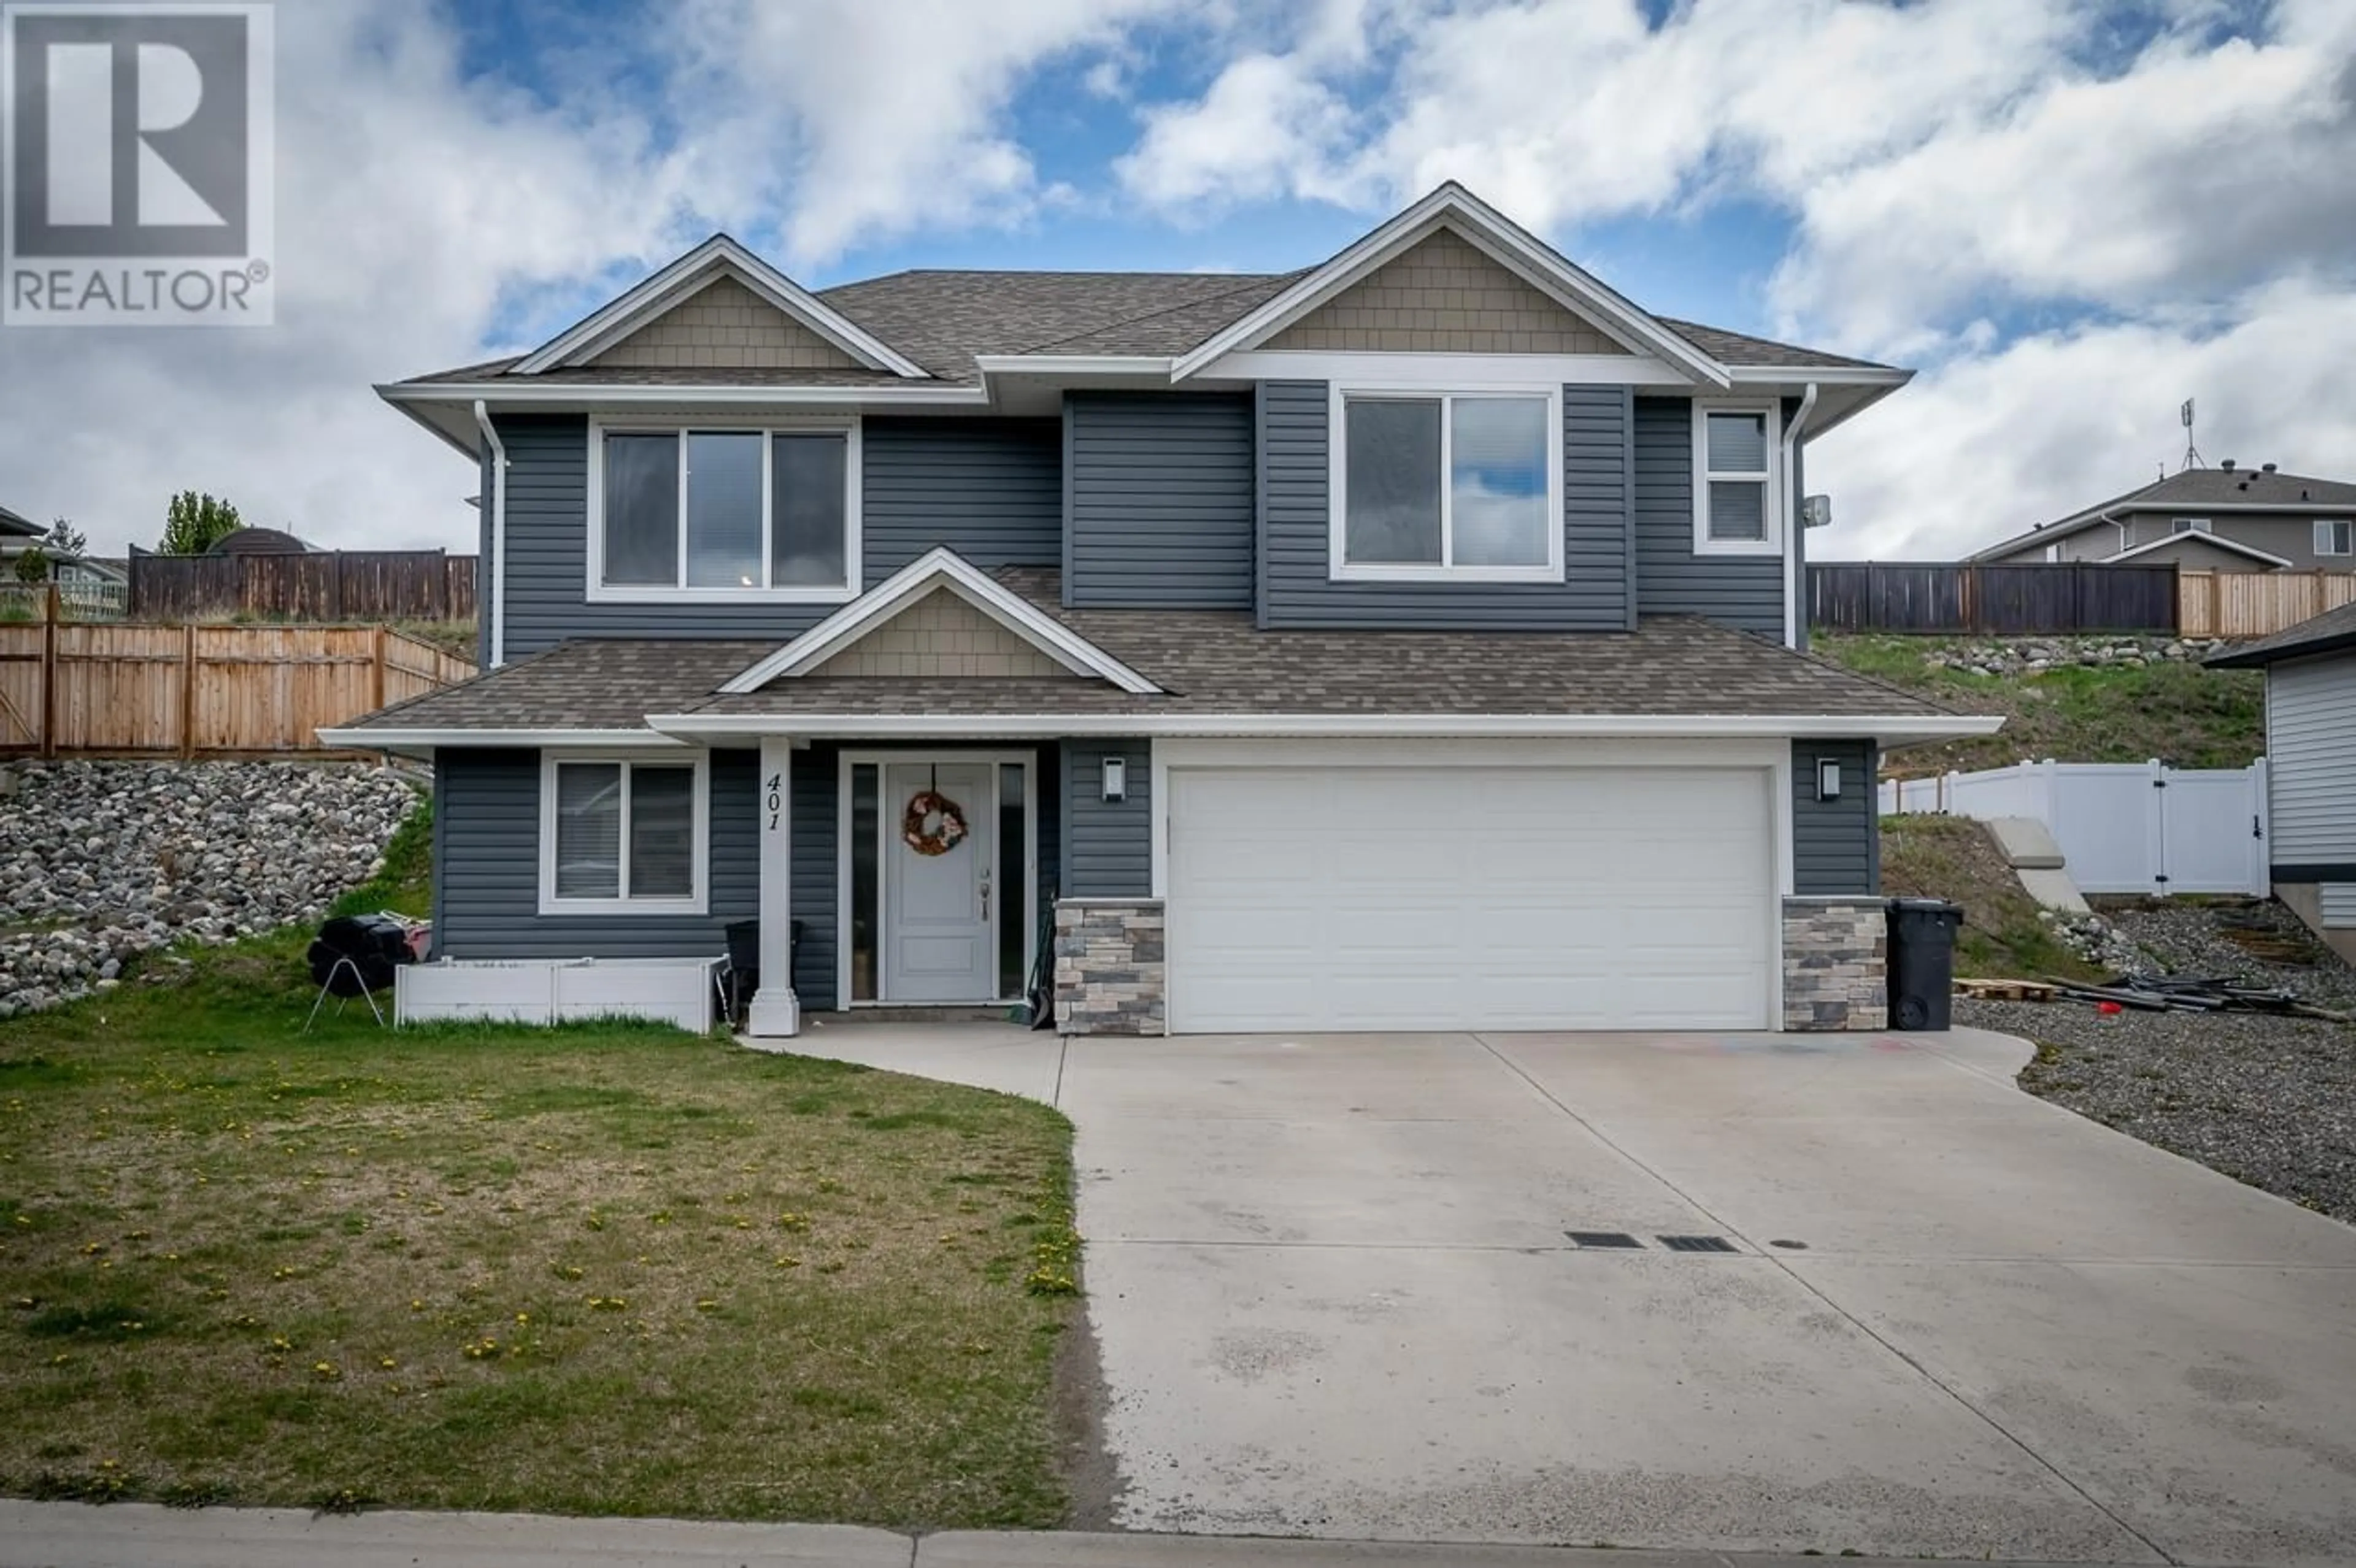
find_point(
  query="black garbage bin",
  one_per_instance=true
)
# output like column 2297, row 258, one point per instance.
column 1922, row 962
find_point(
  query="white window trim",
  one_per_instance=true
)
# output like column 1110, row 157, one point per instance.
column 2189, row 525
column 696, row 903
column 1774, row 543
column 1341, row 569
column 2326, row 527
column 598, row 592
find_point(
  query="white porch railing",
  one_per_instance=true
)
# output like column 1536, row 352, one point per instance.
column 2124, row 827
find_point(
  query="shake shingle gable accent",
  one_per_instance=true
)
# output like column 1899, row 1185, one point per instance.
column 688, row 276
column 938, row 571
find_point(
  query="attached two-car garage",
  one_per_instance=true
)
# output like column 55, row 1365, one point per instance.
column 1324, row 896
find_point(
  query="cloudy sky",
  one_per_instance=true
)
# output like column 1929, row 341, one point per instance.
column 2069, row 215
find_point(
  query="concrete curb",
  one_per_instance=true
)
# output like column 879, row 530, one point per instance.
column 146, row 1535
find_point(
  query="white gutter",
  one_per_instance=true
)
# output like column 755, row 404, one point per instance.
column 386, row 737
column 721, row 727
column 520, row 393
column 497, row 642
column 1792, row 518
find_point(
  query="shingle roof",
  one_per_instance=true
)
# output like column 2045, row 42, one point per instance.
column 944, row 319
column 12, row 523
column 2214, row 489
column 2327, row 633
column 1207, row 662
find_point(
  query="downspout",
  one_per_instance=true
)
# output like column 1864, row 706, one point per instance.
column 497, row 642
column 1792, row 512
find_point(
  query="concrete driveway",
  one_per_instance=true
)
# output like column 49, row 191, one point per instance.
column 1334, row 1296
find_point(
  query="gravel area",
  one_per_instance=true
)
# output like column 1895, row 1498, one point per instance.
column 2265, row 1100
column 102, row 861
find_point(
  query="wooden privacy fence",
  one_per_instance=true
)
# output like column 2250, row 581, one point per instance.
column 2258, row 604
column 192, row 691
column 2038, row 600
column 333, row 585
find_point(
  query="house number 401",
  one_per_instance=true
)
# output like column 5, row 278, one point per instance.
column 776, row 801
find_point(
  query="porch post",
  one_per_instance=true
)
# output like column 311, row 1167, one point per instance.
column 775, row 1014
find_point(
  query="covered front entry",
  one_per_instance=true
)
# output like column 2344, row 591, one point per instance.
column 938, row 860
column 1348, row 893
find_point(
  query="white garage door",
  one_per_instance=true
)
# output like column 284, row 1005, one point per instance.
column 1368, row 898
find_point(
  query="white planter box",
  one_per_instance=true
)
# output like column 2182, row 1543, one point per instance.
column 677, row 991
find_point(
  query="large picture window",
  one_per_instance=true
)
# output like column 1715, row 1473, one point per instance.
column 699, row 513
column 1735, row 508
column 1448, row 484
column 621, row 834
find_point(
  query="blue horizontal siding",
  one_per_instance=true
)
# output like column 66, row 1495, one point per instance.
column 1745, row 591
column 1836, row 844
column 1158, row 500
column 990, row 489
column 486, row 867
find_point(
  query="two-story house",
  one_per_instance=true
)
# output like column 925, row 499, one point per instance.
column 2226, row 519
column 1407, row 642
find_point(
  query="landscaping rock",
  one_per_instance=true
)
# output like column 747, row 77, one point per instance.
column 2035, row 655
column 102, row 861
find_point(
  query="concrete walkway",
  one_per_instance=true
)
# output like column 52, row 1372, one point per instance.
column 1334, row 1296
column 141, row 1535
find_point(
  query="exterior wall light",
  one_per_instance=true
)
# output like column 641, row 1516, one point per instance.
column 1827, row 779
column 1115, row 779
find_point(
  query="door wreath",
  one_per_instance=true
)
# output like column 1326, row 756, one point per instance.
column 932, row 824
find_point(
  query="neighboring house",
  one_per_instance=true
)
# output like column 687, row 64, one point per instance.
column 1405, row 642
column 2311, row 768
column 18, row 534
column 2219, row 519
column 260, row 541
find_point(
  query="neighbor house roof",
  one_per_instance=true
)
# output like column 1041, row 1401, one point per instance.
column 14, row 523
column 2330, row 632
column 1207, row 662
column 2196, row 491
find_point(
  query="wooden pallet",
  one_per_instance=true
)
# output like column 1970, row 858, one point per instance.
column 2006, row 990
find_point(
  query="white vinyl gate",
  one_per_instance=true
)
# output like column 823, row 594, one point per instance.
column 2123, row 827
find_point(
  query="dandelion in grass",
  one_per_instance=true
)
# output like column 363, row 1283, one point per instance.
column 325, row 1372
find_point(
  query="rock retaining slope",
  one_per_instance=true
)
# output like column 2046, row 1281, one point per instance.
column 102, row 861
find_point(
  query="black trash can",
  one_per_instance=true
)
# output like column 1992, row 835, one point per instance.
column 1922, row 962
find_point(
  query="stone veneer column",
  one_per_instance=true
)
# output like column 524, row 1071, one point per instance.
column 1835, row 969
column 1109, row 966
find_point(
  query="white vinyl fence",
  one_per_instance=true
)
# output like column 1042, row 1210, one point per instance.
column 2123, row 827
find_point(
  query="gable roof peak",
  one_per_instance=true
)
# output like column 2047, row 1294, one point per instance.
column 718, row 255
column 1452, row 206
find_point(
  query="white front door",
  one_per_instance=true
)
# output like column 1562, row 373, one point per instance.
column 939, row 910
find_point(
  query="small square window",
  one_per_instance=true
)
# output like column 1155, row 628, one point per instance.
column 2334, row 536
column 619, row 835
column 2189, row 525
column 1735, row 494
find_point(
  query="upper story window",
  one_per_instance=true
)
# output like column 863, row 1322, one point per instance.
column 2189, row 525
column 622, row 835
column 701, row 511
column 1737, row 508
column 2334, row 536
column 1447, row 486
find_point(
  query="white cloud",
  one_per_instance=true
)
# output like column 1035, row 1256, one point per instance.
column 1990, row 444
column 419, row 206
column 844, row 121
column 1951, row 170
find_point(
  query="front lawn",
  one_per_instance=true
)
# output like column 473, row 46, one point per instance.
column 608, row 1270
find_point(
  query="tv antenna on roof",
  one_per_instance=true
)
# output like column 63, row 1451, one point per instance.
column 2191, row 453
